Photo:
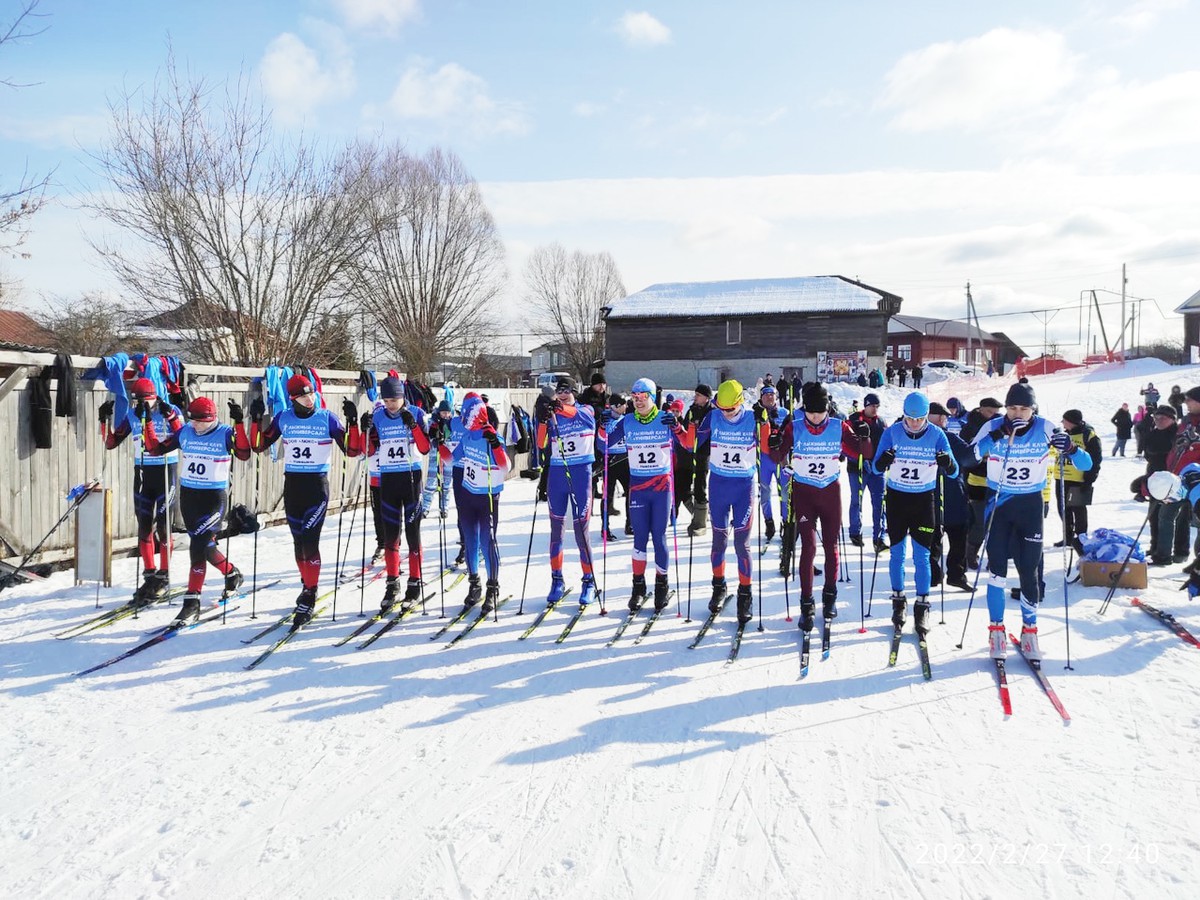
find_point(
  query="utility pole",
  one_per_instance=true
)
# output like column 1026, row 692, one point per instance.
column 970, row 306
column 1124, row 281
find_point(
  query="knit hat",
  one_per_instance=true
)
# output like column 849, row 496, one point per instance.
column 936, row 409
column 767, row 389
column 1193, row 394
column 704, row 389
column 598, row 378
column 444, row 406
column 298, row 386
column 644, row 386
column 390, row 388
column 815, row 398
column 1074, row 416
column 953, row 403
column 1164, row 410
column 729, row 394
column 1020, row 395
column 871, row 400
column 990, row 403
column 565, row 383
column 202, row 409
column 142, row 389
column 916, row 405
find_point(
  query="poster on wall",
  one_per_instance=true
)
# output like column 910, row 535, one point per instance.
column 841, row 365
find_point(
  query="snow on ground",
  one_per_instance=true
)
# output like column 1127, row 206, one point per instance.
column 501, row 768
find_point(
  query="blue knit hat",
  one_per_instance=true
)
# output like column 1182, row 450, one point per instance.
column 391, row 388
column 916, row 405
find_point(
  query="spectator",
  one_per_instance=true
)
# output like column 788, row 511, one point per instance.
column 917, row 374
column 977, row 493
column 1143, row 424
column 1124, row 423
column 1176, row 400
column 991, row 369
column 902, row 375
column 784, row 391
column 875, row 380
column 891, row 373
column 1170, row 530
column 1074, row 492
column 1150, row 392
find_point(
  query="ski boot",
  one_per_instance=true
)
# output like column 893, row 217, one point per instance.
column 189, row 613
column 921, row 617
column 638, row 597
column 461, row 559
column 587, row 590
column 628, row 528
column 558, row 587
column 745, row 602
column 233, row 581
column 143, row 596
column 1029, row 643
column 899, row 607
column 377, row 556
column 880, row 545
column 610, row 537
column 474, row 591
column 829, row 601
column 856, row 540
column 491, row 598
column 807, row 607
column 412, row 594
column 661, row 593
column 720, row 591
column 769, row 526
column 699, row 524
column 389, row 595
column 305, row 603
column 998, row 640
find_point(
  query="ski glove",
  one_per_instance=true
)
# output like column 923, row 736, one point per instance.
column 349, row 411
column 409, row 420
column 944, row 461
column 542, row 410
column 774, row 440
column 862, row 430
column 235, row 412
column 258, row 409
column 1061, row 441
column 609, row 418
column 365, row 421
column 668, row 419
column 885, row 460
column 489, row 435
column 106, row 410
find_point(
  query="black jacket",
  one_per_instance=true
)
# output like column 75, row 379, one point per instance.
column 1124, row 422
column 1156, row 447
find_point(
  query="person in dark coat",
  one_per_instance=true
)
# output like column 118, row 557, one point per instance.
column 954, row 510
column 1073, row 492
column 917, row 374
column 891, row 373
column 1143, row 424
column 1124, row 424
column 1170, row 526
column 1175, row 399
column 902, row 375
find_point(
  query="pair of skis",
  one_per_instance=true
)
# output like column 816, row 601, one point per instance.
column 1036, row 666
column 628, row 620
column 922, row 651
column 116, row 614
column 735, row 646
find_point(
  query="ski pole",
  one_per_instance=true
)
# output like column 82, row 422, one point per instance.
column 257, row 513
column 76, row 499
column 1115, row 578
column 757, row 488
column 1062, row 464
column 986, row 534
column 337, row 578
column 604, row 536
column 788, row 544
column 528, row 554
column 862, row 586
column 674, row 519
column 442, row 543
column 362, row 574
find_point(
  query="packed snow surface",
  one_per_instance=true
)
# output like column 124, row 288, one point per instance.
column 506, row 768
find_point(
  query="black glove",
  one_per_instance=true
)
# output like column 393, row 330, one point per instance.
column 106, row 410
column 165, row 409
column 408, row 418
column 944, row 461
column 141, row 410
column 556, row 405
column 885, row 459
column 349, row 411
column 258, row 409
column 541, row 492
column 669, row 419
column 862, row 429
column 774, row 440
column 489, row 434
column 543, row 411
column 235, row 412
column 365, row 421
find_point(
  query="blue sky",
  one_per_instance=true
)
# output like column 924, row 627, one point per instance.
column 1029, row 148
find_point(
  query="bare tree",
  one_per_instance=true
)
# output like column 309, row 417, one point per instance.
column 433, row 264
column 90, row 326
column 247, row 233
column 20, row 201
column 565, row 293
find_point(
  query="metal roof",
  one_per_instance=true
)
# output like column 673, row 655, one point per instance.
column 1191, row 304
column 750, row 296
column 947, row 328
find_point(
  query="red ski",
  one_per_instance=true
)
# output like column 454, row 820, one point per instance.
column 1036, row 665
column 1169, row 620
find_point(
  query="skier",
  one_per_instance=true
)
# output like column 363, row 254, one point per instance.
column 956, row 416
column 570, row 430
column 617, row 457
column 205, row 446
column 446, row 432
column 436, row 481
column 733, row 434
column 863, row 477
column 913, row 453
column 373, row 483
column 154, row 479
column 1016, row 447
column 697, row 485
column 484, row 468
column 813, row 444
column 398, row 433
column 775, row 416
column 308, row 435
column 647, row 434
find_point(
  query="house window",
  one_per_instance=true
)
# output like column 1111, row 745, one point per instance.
column 906, row 351
column 733, row 331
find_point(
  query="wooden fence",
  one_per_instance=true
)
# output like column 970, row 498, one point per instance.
column 34, row 483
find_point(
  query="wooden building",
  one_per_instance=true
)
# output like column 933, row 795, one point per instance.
column 920, row 339
column 680, row 334
column 1190, row 309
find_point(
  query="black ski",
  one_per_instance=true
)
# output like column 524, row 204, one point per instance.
column 625, row 623
column 462, row 614
column 1002, row 683
column 115, row 614
column 897, row 636
column 471, row 627
column 398, row 616
column 1169, row 620
column 805, row 650
column 826, row 637
column 223, row 601
column 653, row 618
column 288, row 635
column 541, row 617
column 170, row 632
column 737, row 643
column 923, row 654
column 571, row 624
column 708, row 623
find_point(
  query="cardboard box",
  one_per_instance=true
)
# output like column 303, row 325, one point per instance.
column 1100, row 574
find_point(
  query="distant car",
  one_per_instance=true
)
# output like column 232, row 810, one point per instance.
column 550, row 379
column 949, row 366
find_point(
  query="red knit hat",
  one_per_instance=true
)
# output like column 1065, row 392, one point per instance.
column 298, row 386
column 142, row 389
column 202, row 409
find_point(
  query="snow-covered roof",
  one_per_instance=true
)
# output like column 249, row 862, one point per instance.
column 750, row 296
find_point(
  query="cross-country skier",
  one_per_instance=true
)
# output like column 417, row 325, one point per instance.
column 205, row 446
column 484, row 468
column 812, row 445
column 437, row 479
column 732, row 434
column 1016, row 447
column 775, row 416
column 570, row 430
column 911, row 455
column 154, row 479
column 308, row 435
column 647, row 434
column 398, row 432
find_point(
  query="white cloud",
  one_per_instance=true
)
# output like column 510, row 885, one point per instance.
column 296, row 81
column 385, row 15
column 980, row 82
column 73, row 130
column 1145, row 13
column 451, row 92
column 640, row 29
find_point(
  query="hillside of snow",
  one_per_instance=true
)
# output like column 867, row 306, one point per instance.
column 514, row 769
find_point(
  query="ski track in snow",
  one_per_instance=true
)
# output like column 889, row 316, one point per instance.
column 506, row 769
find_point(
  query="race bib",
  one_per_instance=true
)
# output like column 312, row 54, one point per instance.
column 912, row 475
column 204, row 471
column 731, row 458
column 308, row 454
column 649, row 460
